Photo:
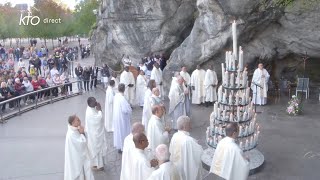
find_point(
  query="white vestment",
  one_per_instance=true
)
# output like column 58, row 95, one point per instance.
column 197, row 80
column 210, row 84
column 146, row 112
column 156, row 75
column 140, row 89
column 177, row 105
column 108, row 117
column 96, row 136
column 186, row 155
column 76, row 160
column 166, row 171
column 127, row 78
column 156, row 133
column 116, row 84
column 141, row 167
column 228, row 161
column 127, row 158
column 121, row 120
column 260, row 95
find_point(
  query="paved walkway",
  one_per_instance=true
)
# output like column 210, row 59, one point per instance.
column 32, row 145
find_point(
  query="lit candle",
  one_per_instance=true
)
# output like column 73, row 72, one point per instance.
column 222, row 70
column 244, row 116
column 251, row 142
column 207, row 133
column 214, row 140
column 258, row 136
column 247, row 144
column 215, row 109
column 238, row 78
column 227, row 79
column 230, row 59
column 241, row 145
column 220, row 94
column 234, row 61
column 219, row 116
column 238, row 114
column 230, row 99
column 216, row 130
column 258, row 128
column 248, row 94
column 231, row 80
column 245, row 78
column 234, row 39
column 240, row 58
column 247, row 130
column 224, row 98
column 240, row 131
column 224, row 114
column 231, row 117
column 237, row 99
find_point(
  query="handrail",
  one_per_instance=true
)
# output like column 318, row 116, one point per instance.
column 35, row 92
column 19, row 109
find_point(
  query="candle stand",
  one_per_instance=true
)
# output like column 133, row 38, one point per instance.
column 234, row 105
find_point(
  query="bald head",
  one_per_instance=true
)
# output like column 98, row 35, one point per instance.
column 184, row 123
column 232, row 129
column 137, row 127
column 162, row 153
column 140, row 141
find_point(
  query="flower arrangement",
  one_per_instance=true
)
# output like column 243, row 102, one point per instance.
column 294, row 107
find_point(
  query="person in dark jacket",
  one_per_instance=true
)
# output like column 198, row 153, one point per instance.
column 105, row 74
column 5, row 94
column 86, row 78
column 94, row 74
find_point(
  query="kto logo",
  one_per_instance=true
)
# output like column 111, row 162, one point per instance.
column 33, row 20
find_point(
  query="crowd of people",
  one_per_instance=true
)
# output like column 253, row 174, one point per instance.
column 28, row 69
column 148, row 152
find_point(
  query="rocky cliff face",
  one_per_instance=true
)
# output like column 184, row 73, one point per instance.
column 265, row 32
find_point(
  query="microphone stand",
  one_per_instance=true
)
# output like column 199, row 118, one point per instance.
column 255, row 101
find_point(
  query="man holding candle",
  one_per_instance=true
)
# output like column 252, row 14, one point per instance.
column 210, row 84
column 261, row 78
column 228, row 161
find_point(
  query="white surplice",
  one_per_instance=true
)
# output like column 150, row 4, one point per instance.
column 127, row 158
column 166, row 171
column 156, row 75
column 228, row 161
column 76, row 161
column 186, row 155
column 210, row 84
column 127, row 78
column 146, row 112
column 156, row 133
column 261, row 93
column 177, row 105
column 197, row 80
column 121, row 120
column 96, row 136
column 108, row 113
column 141, row 167
column 140, row 89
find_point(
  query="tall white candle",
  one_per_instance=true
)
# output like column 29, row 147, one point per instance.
column 218, row 115
column 245, row 78
column 231, row 117
column 234, row 38
column 207, row 133
column 222, row 70
column 215, row 109
column 247, row 144
column 226, row 79
column 227, row 59
column 230, row 60
column 224, row 97
column 241, row 145
column 240, row 58
column 214, row 140
column 231, row 80
column 237, row 98
column 230, row 99
column 240, row 130
column 224, row 114
column 247, row 94
column 220, row 94
column 238, row 114
column 244, row 116
column 251, row 142
column 216, row 130
column 233, row 63
column 238, row 78
column 258, row 136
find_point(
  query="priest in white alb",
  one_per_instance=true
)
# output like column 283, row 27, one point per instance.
column 108, row 113
column 141, row 88
column 127, row 79
column 146, row 112
column 178, row 105
column 157, row 133
column 228, row 160
column 116, row 81
column 185, row 151
column 197, row 84
column 96, row 134
column 156, row 74
column 141, row 166
column 210, row 84
column 121, row 118
column 167, row 170
column 185, row 75
column 76, row 161
column 127, row 154
column 260, row 78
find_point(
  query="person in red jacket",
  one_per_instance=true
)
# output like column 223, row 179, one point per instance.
column 43, row 84
column 36, row 86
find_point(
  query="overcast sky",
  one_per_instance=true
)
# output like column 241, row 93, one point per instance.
column 69, row 3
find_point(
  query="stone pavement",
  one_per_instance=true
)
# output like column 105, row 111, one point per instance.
column 32, row 145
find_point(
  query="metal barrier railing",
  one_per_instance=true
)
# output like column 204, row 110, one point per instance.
column 18, row 110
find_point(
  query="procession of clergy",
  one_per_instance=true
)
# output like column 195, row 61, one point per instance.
column 147, row 151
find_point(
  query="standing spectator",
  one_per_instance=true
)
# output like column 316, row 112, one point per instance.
column 79, row 71
column 29, row 88
column 50, row 83
column 37, row 65
column 43, row 85
column 94, row 74
column 44, row 64
column 36, row 86
column 19, row 89
column 21, row 64
column 86, row 78
column 17, row 54
column 5, row 94
column 105, row 75
column 65, row 80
